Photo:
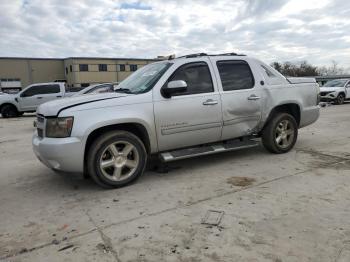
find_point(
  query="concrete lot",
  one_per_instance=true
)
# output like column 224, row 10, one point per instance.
column 291, row 207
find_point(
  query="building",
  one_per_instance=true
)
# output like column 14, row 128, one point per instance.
column 78, row 72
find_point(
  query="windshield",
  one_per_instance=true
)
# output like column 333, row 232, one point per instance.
column 335, row 83
column 143, row 79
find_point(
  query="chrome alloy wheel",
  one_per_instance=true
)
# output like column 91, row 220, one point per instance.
column 284, row 134
column 119, row 161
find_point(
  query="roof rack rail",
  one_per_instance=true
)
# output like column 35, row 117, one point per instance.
column 232, row 53
column 205, row 54
column 194, row 55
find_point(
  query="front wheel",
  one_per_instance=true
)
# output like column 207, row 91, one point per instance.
column 280, row 134
column 340, row 99
column 116, row 159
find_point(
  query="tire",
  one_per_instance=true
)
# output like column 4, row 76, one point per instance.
column 340, row 99
column 280, row 134
column 124, row 157
column 8, row 111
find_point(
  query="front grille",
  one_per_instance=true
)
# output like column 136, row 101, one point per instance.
column 325, row 93
column 40, row 133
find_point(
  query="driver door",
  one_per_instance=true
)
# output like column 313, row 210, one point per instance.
column 28, row 100
column 36, row 95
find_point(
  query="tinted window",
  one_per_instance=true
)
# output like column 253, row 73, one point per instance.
column 102, row 67
column 133, row 67
column 42, row 89
column 83, row 67
column 51, row 89
column 196, row 75
column 71, row 68
column 235, row 75
column 122, row 67
column 66, row 70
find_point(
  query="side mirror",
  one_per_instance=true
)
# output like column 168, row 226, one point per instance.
column 174, row 87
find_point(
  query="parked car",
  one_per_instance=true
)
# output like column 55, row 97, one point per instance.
column 190, row 106
column 337, row 91
column 12, row 105
column 97, row 89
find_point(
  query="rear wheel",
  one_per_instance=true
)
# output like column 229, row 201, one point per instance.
column 116, row 159
column 280, row 134
column 340, row 99
column 8, row 111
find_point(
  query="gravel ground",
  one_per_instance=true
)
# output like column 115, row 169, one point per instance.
column 248, row 205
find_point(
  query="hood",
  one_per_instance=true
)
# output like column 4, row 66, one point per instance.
column 53, row 108
column 331, row 89
column 7, row 97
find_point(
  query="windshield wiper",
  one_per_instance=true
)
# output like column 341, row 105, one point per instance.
column 123, row 90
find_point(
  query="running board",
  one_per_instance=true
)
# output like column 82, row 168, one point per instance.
column 207, row 150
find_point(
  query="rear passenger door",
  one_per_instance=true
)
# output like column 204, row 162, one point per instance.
column 192, row 117
column 241, row 97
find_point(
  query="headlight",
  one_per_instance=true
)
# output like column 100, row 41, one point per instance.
column 59, row 127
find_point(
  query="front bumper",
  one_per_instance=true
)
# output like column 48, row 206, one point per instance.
column 328, row 97
column 63, row 154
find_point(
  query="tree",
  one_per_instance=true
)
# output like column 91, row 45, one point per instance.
column 298, row 69
column 303, row 68
column 334, row 69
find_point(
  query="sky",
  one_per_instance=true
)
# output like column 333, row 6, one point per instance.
column 273, row 30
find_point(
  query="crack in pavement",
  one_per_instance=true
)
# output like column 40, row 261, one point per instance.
column 107, row 240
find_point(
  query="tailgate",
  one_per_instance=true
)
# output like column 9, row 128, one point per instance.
column 301, row 80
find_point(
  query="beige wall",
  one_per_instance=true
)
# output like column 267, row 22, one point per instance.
column 113, row 73
column 31, row 71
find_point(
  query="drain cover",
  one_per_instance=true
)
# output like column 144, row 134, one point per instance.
column 213, row 217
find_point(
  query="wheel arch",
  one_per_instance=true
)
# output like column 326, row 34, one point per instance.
column 8, row 103
column 290, row 108
column 135, row 128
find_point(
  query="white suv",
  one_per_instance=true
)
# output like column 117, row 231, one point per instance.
column 337, row 91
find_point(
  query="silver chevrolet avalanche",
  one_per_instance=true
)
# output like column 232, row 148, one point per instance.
column 189, row 106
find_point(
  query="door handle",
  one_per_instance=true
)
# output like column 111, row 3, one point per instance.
column 39, row 97
column 58, row 96
column 210, row 102
column 253, row 97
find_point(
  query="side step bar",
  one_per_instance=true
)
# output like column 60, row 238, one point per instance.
column 207, row 149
